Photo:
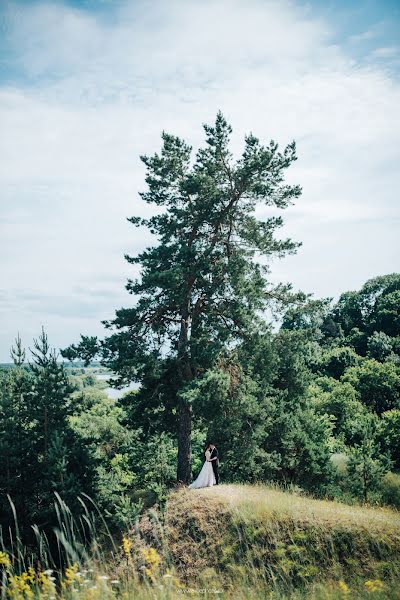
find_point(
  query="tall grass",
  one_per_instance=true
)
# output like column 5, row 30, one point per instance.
column 285, row 543
column 229, row 541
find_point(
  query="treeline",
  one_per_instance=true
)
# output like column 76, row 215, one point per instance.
column 316, row 405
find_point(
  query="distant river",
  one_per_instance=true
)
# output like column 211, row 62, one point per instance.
column 112, row 392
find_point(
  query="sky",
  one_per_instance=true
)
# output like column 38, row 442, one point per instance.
column 86, row 87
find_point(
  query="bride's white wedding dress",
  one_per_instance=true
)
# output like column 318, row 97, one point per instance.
column 206, row 476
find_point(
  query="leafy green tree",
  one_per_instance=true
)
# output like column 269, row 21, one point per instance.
column 367, row 464
column 357, row 339
column 348, row 312
column 129, row 468
column 386, row 316
column 201, row 288
column 339, row 400
column 297, row 445
column 296, row 439
column 373, row 308
column 335, row 361
column 390, row 435
column 379, row 346
column 313, row 316
column 253, row 403
column 377, row 384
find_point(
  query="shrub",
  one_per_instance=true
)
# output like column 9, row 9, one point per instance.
column 390, row 435
column 390, row 488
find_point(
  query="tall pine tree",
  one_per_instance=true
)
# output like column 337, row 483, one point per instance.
column 201, row 287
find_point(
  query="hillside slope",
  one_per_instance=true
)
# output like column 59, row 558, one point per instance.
column 256, row 536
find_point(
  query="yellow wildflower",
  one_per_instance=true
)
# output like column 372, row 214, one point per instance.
column 45, row 582
column 152, row 560
column 126, row 545
column 71, row 576
column 30, row 576
column 19, row 586
column 374, row 585
column 5, row 560
column 344, row 588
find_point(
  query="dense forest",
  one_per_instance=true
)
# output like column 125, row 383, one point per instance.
column 309, row 399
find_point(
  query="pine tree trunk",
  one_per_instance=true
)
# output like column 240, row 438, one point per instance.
column 184, row 470
column 184, row 467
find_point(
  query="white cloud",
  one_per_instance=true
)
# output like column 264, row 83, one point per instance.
column 386, row 52
column 96, row 91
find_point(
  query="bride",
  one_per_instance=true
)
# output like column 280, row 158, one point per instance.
column 206, row 476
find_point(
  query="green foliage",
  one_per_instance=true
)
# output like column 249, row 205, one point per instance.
column 374, row 308
column 387, row 314
column 197, row 341
column 366, row 465
column 338, row 400
column 379, row 345
column 390, row 489
column 17, row 459
column 377, row 384
column 40, row 452
column 291, row 373
column 312, row 316
column 264, row 401
column 234, row 417
column 124, row 461
column 335, row 361
column 297, row 446
column 390, row 435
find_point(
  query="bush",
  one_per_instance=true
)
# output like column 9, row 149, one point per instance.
column 390, row 488
column 390, row 435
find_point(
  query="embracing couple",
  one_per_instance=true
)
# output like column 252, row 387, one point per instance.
column 209, row 473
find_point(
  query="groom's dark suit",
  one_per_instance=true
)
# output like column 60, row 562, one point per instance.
column 215, row 464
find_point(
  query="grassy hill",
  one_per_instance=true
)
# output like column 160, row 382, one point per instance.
column 229, row 541
column 251, row 541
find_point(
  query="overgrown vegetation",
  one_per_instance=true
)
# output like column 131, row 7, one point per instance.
column 235, row 541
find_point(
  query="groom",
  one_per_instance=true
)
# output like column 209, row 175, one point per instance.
column 215, row 462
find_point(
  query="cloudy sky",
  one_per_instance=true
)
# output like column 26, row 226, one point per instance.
column 87, row 86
